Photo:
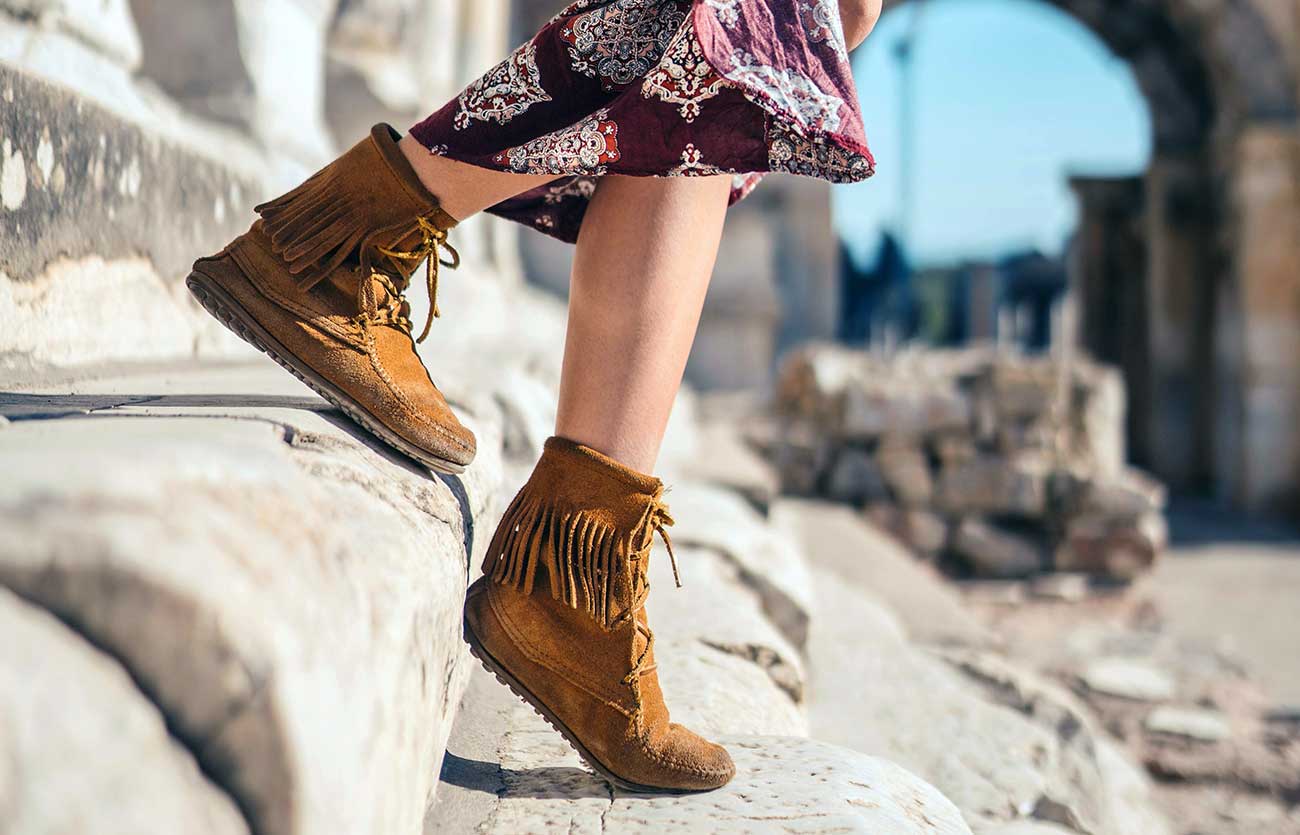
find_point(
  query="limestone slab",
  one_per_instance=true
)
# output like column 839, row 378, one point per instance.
column 106, row 25
column 1201, row 725
column 840, row 541
column 289, row 595
column 769, row 560
column 724, row 667
column 723, row 458
column 782, row 785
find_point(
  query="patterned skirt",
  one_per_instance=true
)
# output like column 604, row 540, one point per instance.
column 664, row 88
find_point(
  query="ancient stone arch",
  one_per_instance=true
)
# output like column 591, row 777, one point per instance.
column 1216, row 380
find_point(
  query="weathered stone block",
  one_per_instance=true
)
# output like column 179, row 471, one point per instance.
column 1000, row 742
column 900, row 407
column 812, row 380
column 1131, row 493
column 1097, row 410
column 994, row 552
column 725, row 459
column 95, row 185
column 782, row 784
column 104, row 24
column 953, row 447
column 855, row 477
column 923, row 531
column 907, row 473
column 288, row 595
column 769, row 561
column 1022, row 390
column 82, row 749
column 1128, row 678
column 1117, row 548
column 802, row 457
column 808, row 785
column 716, row 611
column 1012, row 486
column 1201, row 725
column 839, row 542
column 191, row 50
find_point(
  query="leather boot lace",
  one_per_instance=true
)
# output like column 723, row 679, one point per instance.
column 393, row 309
column 655, row 520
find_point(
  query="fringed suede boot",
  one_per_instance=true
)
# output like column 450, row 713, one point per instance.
column 318, row 284
column 560, row 619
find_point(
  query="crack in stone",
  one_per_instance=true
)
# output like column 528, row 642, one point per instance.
column 608, row 808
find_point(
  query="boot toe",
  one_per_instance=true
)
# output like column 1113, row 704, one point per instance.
column 415, row 408
column 697, row 764
column 448, row 439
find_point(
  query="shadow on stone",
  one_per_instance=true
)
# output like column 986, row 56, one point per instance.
column 19, row 406
column 545, row 783
column 457, row 488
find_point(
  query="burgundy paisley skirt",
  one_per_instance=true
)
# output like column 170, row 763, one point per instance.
column 662, row 88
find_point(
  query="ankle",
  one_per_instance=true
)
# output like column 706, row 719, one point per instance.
column 426, row 168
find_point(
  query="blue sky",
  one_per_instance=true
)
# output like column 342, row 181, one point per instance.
column 1010, row 96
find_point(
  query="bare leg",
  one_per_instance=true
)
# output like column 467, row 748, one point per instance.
column 463, row 189
column 642, row 265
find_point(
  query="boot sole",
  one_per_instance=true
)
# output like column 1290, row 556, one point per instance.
column 503, row 675
column 239, row 321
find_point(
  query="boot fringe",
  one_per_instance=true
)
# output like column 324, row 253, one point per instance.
column 585, row 557
column 314, row 228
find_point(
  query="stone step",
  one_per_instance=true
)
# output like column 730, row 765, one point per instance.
column 285, row 593
column 508, row 772
column 733, row 669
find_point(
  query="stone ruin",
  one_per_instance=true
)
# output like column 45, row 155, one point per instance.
column 994, row 464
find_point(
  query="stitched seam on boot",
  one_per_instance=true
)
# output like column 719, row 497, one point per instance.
column 315, row 318
column 401, row 398
column 542, row 658
column 643, row 740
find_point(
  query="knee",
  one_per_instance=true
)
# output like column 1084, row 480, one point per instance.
column 859, row 18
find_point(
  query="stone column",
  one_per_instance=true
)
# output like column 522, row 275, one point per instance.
column 1180, row 297
column 807, row 260
column 257, row 64
column 1262, row 459
column 1108, row 278
column 735, row 347
column 283, row 44
column 396, row 61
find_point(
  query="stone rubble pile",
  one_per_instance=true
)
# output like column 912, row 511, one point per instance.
column 996, row 464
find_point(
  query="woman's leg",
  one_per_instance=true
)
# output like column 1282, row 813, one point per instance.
column 642, row 265
column 559, row 615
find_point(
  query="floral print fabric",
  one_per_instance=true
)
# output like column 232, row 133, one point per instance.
column 660, row 88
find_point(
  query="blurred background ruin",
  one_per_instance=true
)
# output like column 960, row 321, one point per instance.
column 1033, row 390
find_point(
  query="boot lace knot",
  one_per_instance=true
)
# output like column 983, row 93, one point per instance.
column 393, row 309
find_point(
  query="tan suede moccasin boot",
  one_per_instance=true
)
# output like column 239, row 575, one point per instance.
column 318, row 284
column 560, row 619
